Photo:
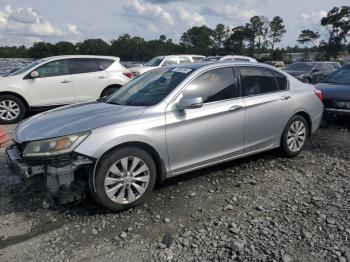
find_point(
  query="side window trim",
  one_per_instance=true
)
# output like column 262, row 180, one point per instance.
column 262, row 94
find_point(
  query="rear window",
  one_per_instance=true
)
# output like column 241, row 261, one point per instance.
column 104, row 63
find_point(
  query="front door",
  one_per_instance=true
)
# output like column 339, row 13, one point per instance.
column 212, row 133
column 53, row 86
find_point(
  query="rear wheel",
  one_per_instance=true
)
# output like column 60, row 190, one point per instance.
column 294, row 136
column 12, row 109
column 125, row 178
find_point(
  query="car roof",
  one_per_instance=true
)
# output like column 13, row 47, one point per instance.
column 79, row 56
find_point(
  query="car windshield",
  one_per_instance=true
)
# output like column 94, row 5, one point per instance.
column 25, row 68
column 341, row 76
column 301, row 67
column 150, row 88
column 154, row 61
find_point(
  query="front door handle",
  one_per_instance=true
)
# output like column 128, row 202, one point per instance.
column 101, row 77
column 285, row 97
column 235, row 108
column 65, row 82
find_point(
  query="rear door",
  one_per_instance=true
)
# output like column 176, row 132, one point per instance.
column 89, row 78
column 53, row 86
column 268, row 102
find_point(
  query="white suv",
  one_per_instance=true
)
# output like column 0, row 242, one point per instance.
column 159, row 61
column 59, row 80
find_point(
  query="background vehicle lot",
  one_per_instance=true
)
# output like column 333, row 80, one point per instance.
column 264, row 207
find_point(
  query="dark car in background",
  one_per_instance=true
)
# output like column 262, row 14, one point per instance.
column 336, row 93
column 312, row 72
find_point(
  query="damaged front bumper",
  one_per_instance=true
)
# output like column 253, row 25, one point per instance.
column 59, row 171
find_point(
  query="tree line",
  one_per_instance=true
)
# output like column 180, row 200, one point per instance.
column 257, row 38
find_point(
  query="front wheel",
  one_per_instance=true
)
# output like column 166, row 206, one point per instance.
column 124, row 178
column 12, row 109
column 294, row 136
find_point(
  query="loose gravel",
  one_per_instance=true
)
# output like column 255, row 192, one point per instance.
column 261, row 208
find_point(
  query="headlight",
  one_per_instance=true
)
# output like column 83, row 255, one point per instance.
column 343, row 105
column 54, row 146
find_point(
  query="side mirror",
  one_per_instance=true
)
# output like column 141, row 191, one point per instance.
column 189, row 103
column 34, row 74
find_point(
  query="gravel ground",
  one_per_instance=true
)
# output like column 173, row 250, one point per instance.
column 261, row 208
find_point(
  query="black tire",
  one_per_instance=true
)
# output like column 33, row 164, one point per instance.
column 109, row 91
column 21, row 107
column 106, row 163
column 284, row 140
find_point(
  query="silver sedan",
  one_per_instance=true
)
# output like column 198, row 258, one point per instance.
column 166, row 122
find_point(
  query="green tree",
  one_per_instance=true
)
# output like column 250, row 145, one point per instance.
column 93, row 47
column 64, row 48
column 220, row 34
column 309, row 37
column 277, row 30
column 198, row 39
column 337, row 24
column 40, row 50
column 236, row 41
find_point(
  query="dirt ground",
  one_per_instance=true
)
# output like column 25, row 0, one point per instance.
column 261, row 208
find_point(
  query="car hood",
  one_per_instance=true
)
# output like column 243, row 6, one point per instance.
column 74, row 119
column 295, row 73
column 334, row 91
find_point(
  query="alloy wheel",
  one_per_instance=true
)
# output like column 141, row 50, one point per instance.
column 296, row 136
column 9, row 110
column 127, row 180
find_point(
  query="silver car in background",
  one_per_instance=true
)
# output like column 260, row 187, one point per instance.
column 164, row 123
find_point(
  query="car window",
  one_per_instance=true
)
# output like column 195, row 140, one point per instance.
column 255, row 81
column 104, row 63
column 85, row 65
column 54, row 68
column 335, row 65
column 183, row 60
column 341, row 76
column 170, row 61
column 323, row 67
column 215, row 85
column 197, row 58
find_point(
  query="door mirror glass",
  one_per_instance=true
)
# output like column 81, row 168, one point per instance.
column 189, row 103
column 34, row 74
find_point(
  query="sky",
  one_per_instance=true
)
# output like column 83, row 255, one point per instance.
column 29, row 21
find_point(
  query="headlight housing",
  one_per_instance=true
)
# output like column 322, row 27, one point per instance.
column 54, row 146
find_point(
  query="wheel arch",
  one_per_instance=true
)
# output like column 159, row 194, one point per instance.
column 307, row 117
column 110, row 86
column 160, row 166
column 26, row 104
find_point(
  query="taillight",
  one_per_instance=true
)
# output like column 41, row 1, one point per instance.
column 318, row 93
column 128, row 74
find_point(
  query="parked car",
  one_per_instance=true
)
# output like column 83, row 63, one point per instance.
column 59, row 80
column 160, row 61
column 311, row 72
column 336, row 92
column 237, row 58
column 167, row 122
column 277, row 64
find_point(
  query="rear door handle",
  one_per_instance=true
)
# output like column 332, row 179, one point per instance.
column 235, row 108
column 65, row 82
column 285, row 97
column 101, row 77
